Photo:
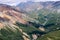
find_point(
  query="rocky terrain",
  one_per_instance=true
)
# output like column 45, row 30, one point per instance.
column 30, row 21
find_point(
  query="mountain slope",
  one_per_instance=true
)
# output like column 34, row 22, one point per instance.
column 10, row 24
column 30, row 24
column 51, row 36
column 9, row 14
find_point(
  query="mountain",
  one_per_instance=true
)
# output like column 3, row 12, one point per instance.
column 10, row 14
column 28, row 6
column 33, row 6
column 56, row 4
column 14, row 24
column 30, row 21
column 51, row 36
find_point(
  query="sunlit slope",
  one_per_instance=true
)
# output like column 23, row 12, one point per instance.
column 54, row 35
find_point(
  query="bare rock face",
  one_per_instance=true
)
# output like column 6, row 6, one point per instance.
column 9, row 14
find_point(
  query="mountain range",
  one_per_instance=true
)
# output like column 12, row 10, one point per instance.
column 34, row 6
column 30, row 21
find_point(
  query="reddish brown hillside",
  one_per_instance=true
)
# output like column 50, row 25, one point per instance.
column 10, row 14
